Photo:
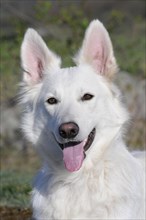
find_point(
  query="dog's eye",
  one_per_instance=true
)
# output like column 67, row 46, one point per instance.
column 87, row 97
column 52, row 101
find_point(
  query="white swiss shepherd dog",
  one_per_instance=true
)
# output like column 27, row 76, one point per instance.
column 75, row 119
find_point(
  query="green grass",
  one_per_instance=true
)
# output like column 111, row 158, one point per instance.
column 15, row 188
column 16, row 176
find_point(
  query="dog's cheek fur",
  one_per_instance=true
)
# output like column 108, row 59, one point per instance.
column 28, row 97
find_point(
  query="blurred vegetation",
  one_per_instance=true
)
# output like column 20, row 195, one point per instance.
column 128, row 37
column 127, row 34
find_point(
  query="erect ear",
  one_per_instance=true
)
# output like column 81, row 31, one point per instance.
column 36, row 58
column 97, row 50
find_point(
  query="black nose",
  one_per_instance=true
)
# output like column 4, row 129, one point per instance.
column 68, row 130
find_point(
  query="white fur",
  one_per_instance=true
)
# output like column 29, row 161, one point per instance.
column 110, row 183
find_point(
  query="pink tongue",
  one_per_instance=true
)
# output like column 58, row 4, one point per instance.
column 73, row 156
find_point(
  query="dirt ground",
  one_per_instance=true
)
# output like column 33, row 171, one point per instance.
column 9, row 213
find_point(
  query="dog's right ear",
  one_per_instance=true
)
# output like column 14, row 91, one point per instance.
column 36, row 58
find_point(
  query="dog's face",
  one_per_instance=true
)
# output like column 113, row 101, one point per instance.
column 67, row 109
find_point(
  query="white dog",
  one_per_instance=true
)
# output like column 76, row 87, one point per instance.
column 75, row 119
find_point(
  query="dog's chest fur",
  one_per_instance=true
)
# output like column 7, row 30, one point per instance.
column 76, row 198
column 92, row 194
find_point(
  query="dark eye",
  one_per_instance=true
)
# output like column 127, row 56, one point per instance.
column 87, row 97
column 52, row 101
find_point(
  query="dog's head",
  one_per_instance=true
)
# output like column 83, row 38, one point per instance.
column 68, row 110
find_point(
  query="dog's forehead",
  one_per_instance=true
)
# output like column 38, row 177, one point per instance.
column 72, row 76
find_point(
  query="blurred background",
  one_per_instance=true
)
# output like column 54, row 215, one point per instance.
column 62, row 24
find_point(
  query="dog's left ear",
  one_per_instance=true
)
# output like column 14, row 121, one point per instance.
column 97, row 50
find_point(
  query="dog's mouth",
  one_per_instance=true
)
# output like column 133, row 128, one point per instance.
column 74, row 152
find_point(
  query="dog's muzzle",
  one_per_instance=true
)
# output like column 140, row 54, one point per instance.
column 74, row 151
